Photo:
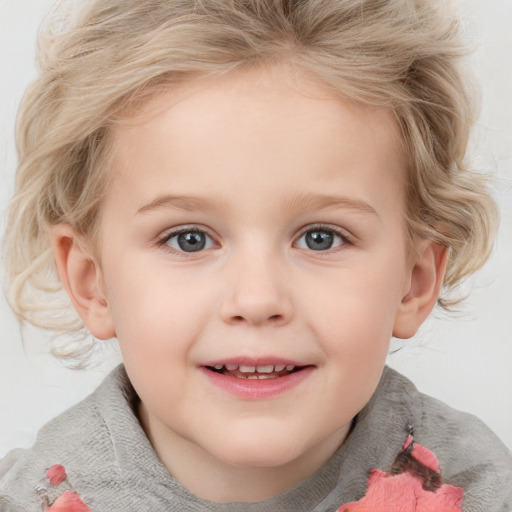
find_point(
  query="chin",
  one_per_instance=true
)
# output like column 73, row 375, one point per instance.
column 259, row 453
column 260, row 460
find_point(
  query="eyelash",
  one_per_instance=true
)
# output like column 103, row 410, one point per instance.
column 167, row 237
column 346, row 239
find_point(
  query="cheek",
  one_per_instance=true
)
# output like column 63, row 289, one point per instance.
column 354, row 311
column 155, row 310
column 358, row 297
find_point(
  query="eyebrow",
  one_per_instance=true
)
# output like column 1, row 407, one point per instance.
column 330, row 202
column 187, row 203
column 304, row 203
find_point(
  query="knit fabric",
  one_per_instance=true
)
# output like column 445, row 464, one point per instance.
column 112, row 466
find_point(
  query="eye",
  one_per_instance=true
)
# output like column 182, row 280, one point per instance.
column 321, row 239
column 189, row 240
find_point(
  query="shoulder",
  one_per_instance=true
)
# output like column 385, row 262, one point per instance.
column 7, row 503
column 78, row 439
column 470, row 455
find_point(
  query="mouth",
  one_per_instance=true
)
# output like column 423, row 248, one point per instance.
column 255, row 372
column 263, row 379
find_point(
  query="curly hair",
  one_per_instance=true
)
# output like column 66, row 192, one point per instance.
column 110, row 55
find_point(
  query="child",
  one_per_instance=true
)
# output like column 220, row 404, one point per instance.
column 253, row 197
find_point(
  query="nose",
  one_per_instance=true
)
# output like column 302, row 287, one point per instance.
column 257, row 292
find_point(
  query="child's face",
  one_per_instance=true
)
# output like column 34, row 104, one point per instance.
column 252, row 223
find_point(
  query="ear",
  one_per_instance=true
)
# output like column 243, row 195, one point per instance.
column 426, row 279
column 82, row 278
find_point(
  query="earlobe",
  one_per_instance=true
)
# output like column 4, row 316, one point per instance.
column 426, row 280
column 82, row 279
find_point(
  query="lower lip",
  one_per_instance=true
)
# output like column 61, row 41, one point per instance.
column 257, row 389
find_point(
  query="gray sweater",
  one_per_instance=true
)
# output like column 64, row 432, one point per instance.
column 112, row 465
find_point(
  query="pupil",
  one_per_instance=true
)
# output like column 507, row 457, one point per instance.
column 191, row 241
column 319, row 240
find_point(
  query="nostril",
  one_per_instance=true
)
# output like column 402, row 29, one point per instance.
column 274, row 319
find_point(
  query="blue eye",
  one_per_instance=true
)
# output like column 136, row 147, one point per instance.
column 320, row 239
column 189, row 241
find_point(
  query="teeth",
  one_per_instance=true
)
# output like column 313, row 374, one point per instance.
column 265, row 369
column 262, row 371
column 261, row 376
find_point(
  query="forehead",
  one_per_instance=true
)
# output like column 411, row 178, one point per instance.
column 246, row 122
column 240, row 95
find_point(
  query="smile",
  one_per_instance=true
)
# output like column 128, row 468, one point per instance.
column 260, row 372
column 256, row 380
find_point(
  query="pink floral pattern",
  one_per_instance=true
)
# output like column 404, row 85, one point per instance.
column 69, row 501
column 56, row 474
column 413, row 485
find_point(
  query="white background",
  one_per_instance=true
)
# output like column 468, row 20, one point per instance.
column 465, row 360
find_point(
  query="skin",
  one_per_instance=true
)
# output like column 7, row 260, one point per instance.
column 258, row 159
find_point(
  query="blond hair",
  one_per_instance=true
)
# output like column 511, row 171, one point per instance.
column 402, row 55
